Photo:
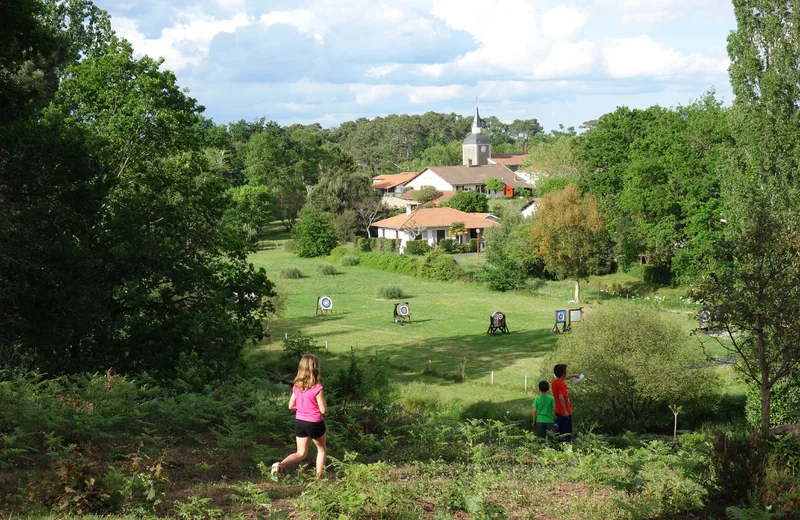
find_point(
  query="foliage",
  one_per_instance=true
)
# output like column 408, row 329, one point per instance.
column 426, row 194
column 473, row 245
column 349, row 260
column 389, row 292
column 501, row 274
column 327, row 269
column 393, row 263
column 551, row 183
column 346, row 225
column 468, row 201
column 314, row 234
column 784, row 402
column 656, row 274
column 252, row 205
column 296, row 347
column 553, row 158
column 636, row 365
column 196, row 508
column 496, row 185
column 417, row 247
column 438, row 265
column 448, row 245
column 568, row 233
column 291, row 273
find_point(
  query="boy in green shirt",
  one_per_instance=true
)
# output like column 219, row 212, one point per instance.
column 543, row 415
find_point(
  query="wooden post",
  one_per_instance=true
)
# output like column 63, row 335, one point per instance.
column 492, row 379
column 526, row 383
column 430, row 367
column 285, row 335
column 326, row 347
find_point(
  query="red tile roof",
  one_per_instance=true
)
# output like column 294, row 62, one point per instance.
column 509, row 159
column 437, row 218
column 390, row 181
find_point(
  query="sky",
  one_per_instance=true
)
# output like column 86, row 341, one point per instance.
column 329, row 61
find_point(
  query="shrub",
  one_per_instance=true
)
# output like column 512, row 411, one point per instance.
column 658, row 274
column 448, row 245
column 400, row 264
column 784, row 402
column 389, row 292
column 426, row 194
column 362, row 244
column 291, row 273
column 501, row 274
column 462, row 248
column 314, row 234
column 340, row 251
column 296, row 347
column 349, row 260
column 390, row 245
column 326, row 269
column 637, row 363
column 473, row 245
column 469, row 201
column 438, row 265
column 373, row 244
column 417, row 247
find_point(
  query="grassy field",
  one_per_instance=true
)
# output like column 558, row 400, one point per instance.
column 449, row 323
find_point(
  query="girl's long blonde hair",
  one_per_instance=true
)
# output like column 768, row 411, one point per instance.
column 307, row 372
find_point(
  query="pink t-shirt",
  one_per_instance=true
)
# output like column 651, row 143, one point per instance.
column 306, row 403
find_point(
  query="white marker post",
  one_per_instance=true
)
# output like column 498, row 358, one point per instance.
column 492, row 379
column 526, row 383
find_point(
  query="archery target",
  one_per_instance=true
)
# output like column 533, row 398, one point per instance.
column 325, row 303
column 561, row 316
column 705, row 316
column 403, row 310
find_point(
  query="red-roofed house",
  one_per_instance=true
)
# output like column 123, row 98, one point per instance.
column 434, row 224
column 392, row 185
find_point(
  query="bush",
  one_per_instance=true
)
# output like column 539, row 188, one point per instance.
column 417, row 247
column 349, row 260
column 438, row 265
column 314, row 234
column 362, row 244
column 502, row 275
column 392, row 263
column 390, row 245
column 340, row 251
column 296, row 347
column 389, row 292
column 473, row 245
column 326, row 269
column 637, row 363
column 291, row 273
column 448, row 245
column 658, row 274
column 784, row 404
column 469, row 201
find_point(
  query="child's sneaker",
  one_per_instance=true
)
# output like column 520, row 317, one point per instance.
column 275, row 471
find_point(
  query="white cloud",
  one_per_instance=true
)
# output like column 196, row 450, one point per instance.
column 433, row 94
column 186, row 42
column 381, row 70
column 568, row 59
column 644, row 57
column 371, row 94
column 304, row 20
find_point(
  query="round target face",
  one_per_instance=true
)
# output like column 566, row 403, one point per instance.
column 403, row 310
column 499, row 316
column 326, row 303
column 561, row 316
column 705, row 315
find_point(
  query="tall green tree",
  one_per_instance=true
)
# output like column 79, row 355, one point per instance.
column 756, row 284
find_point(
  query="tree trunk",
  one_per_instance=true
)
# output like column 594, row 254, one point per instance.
column 765, row 385
column 577, row 295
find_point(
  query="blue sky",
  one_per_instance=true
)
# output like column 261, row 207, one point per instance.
column 327, row 61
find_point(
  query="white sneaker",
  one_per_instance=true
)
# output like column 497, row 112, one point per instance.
column 275, row 471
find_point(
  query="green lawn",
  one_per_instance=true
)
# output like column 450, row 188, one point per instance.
column 449, row 324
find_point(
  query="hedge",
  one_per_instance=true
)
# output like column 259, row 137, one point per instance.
column 448, row 245
column 417, row 247
column 400, row 264
column 473, row 245
column 656, row 274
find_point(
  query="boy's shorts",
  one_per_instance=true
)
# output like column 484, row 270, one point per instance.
column 541, row 428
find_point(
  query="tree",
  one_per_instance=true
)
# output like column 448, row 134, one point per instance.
column 457, row 229
column 756, row 284
column 568, row 233
column 252, row 205
column 554, row 157
column 636, row 364
column 369, row 210
column 468, row 201
column 496, row 185
column 426, row 194
column 314, row 234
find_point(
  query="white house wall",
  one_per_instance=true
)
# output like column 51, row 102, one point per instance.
column 428, row 178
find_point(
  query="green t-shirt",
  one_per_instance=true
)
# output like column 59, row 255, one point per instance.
column 544, row 405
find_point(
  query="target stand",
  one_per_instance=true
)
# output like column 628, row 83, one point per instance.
column 402, row 313
column 324, row 306
column 497, row 322
column 565, row 318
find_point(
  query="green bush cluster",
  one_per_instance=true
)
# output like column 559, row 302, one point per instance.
column 448, row 245
column 389, row 292
column 438, row 265
column 657, row 274
column 363, row 244
column 350, row 260
column 314, row 234
column 784, row 402
column 417, row 247
column 340, row 251
column 327, row 270
column 291, row 272
column 636, row 364
column 473, row 245
column 390, row 262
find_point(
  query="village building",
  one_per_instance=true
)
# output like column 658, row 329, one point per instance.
column 433, row 224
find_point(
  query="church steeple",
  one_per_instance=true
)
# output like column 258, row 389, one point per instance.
column 476, row 122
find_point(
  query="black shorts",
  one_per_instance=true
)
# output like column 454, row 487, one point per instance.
column 315, row 430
